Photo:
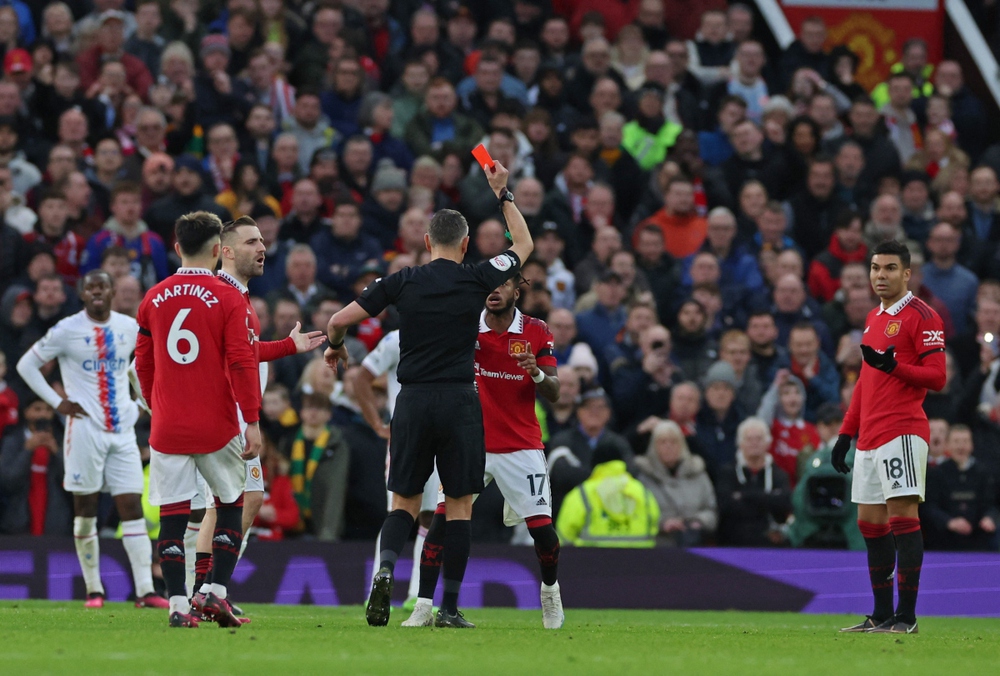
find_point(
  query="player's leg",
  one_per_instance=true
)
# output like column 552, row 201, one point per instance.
column 903, row 462
column 412, row 460
column 194, row 562
column 225, row 473
column 431, row 554
column 172, row 484
column 523, row 480
column 388, row 505
column 873, row 521
column 88, row 550
column 123, row 479
column 462, row 466
column 428, row 506
column 84, row 454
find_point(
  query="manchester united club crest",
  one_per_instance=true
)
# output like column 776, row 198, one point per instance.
column 255, row 472
column 517, row 346
column 892, row 328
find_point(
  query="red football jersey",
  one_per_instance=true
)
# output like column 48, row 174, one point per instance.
column 193, row 328
column 789, row 439
column 8, row 407
column 506, row 391
column 889, row 405
column 264, row 350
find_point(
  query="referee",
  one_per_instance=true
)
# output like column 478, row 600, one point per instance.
column 437, row 412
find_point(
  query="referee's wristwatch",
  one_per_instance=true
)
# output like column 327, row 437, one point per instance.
column 505, row 196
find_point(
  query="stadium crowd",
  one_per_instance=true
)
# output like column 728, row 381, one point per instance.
column 702, row 206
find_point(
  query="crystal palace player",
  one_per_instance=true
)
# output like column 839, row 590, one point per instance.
column 93, row 348
column 438, row 416
column 243, row 254
column 903, row 349
column 513, row 361
column 195, row 361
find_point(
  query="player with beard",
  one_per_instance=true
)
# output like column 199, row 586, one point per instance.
column 242, row 260
column 514, row 362
column 93, row 348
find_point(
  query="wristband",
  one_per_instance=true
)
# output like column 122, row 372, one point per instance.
column 337, row 346
column 539, row 378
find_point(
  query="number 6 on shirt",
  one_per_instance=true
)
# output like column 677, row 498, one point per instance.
column 177, row 334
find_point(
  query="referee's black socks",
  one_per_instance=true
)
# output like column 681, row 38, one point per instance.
column 910, row 558
column 395, row 532
column 457, row 544
column 881, row 562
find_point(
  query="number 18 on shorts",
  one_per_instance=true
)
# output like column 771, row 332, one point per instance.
column 893, row 470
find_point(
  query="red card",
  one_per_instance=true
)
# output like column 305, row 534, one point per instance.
column 482, row 156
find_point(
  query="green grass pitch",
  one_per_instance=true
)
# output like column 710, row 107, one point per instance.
column 41, row 637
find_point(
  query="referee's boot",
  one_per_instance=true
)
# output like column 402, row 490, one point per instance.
column 455, row 620
column 868, row 624
column 894, row 625
column 377, row 612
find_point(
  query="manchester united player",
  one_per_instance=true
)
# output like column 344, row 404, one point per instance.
column 514, row 361
column 903, row 349
column 93, row 348
column 195, row 362
column 243, row 254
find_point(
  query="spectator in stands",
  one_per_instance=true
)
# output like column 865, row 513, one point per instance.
column 650, row 135
column 342, row 250
column 735, row 350
column 754, row 495
column 599, row 326
column 319, row 467
column 953, row 283
column 607, row 241
column 715, row 145
column 783, row 405
column 746, row 81
column 609, row 508
column 846, row 246
column 108, row 46
column 31, row 469
column 816, row 209
column 572, row 454
column 811, row 366
column 595, row 63
column 246, row 192
column 681, row 486
column 642, row 387
column 305, row 220
column 684, row 231
column 126, row 228
column 50, row 229
column 807, row 51
column 439, row 125
column 711, row 52
column 300, row 271
column 915, row 65
column 983, row 205
column 960, row 510
column 881, row 157
column 310, row 126
column 719, row 416
column 187, row 196
column 218, row 97
column 885, row 221
column 752, row 161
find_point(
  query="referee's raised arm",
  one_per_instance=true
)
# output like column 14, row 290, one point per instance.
column 521, row 243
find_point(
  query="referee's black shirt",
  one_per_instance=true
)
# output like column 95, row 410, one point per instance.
column 439, row 306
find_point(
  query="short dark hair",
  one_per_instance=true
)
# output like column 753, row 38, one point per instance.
column 51, row 194
column 845, row 218
column 316, row 400
column 447, row 228
column 894, row 248
column 115, row 251
column 804, row 326
column 229, row 228
column 194, row 230
column 125, row 188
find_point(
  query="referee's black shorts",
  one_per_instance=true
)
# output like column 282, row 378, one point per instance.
column 443, row 421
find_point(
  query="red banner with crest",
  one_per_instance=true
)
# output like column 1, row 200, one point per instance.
column 875, row 30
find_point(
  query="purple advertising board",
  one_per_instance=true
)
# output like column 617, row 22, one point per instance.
column 701, row 579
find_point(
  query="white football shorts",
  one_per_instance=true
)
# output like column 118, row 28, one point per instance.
column 893, row 470
column 98, row 461
column 523, row 480
column 174, row 477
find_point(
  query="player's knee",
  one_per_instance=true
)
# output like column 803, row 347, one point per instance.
column 129, row 506
column 85, row 504
column 197, row 515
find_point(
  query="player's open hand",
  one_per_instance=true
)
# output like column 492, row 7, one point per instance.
column 332, row 356
column 71, row 409
column 306, row 342
column 253, row 442
column 528, row 363
column 497, row 176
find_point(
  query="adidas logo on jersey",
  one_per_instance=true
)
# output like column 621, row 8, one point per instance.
column 541, row 501
column 173, row 550
column 895, row 485
column 223, row 539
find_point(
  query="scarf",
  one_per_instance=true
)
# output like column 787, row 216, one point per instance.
column 303, row 468
column 38, row 489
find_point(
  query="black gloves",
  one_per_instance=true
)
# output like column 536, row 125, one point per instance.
column 883, row 362
column 839, row 456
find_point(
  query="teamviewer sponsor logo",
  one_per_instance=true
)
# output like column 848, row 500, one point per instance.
column 501, row 375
